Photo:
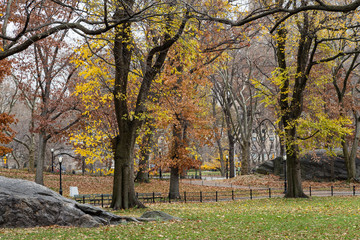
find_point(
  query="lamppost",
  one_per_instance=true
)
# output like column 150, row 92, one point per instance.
column 285, row 180
column 227, row 167
column 52, row 160
column 160, row 165
column 60, row 162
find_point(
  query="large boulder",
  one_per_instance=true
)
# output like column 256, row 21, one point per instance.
column 317, row 166
column 27, row 204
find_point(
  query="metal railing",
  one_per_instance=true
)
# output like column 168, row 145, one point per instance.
column 216, row 196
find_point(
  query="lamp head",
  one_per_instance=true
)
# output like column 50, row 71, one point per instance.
column 60, row 159
column 52, row 150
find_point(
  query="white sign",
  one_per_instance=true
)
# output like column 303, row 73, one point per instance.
column 74, row 191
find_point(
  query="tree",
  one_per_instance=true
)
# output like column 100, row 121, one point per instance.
column 293, row 79
column 234, row 92
column 218, row 129
column 24, row 137
column 183, row 102
column 46, row 88
column 128, row 124
column 133, row 62
column 344, row 83
column 8, row 99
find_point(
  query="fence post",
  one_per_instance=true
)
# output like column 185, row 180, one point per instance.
column 201, row 196
column 232, row 194
column 310, row 190
column 216, row 196
column 102, row 200
column 332, row 190
column 83, row 199
column 251, row 194
column 185, row 197
column 153, row 197
column 269, row 192
column 354, row 193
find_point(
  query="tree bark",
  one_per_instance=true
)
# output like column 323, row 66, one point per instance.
column 32, row 144
column 350, row 157
column 293, row 168
column 221, row 158
column 174, row 192
column 231, row 155
column 123, row 145
column 245, row 157
column 142, row 175
column 123, row 186
column 218, row 140
column 39, row 178
column 145, row 149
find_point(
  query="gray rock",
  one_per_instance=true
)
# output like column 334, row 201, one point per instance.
column 321, row 168
column 27, row 204
column 158, row 215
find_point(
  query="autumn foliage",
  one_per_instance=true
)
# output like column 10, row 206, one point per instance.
column 6, row 133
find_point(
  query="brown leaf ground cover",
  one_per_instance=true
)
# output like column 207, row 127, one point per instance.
column 99, row 184
column 103, row 184
column 276, row 182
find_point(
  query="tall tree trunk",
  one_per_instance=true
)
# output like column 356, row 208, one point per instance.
column 221, row 158
column 293, row 168
column 291, row 107
column 350, row 165
column 350, row 156
column 218, row 139
column 39, row 178
column 179, row 142
column 174, row 192
column 245, row 157
column 123, row 186
column 32, row 156
column 142, row 175
column 32, row 145
column 231, row 155
column 123, row 145
column 145, row 150
column 124, row 189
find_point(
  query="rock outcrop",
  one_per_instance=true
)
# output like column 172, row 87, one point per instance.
column 27, row 204
column 318, row 167
column 158, row 215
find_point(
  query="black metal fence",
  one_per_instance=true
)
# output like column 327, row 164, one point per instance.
column 94, row 199
column 104, row 200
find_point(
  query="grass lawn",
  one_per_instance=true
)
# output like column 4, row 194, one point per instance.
column 314, row 218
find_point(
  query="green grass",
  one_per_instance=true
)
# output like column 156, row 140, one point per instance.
column 314, row 218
